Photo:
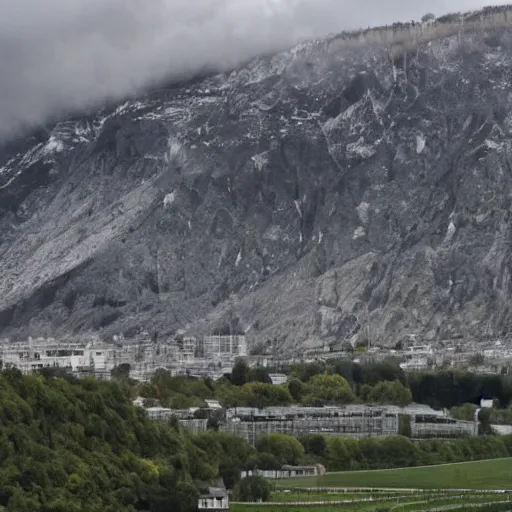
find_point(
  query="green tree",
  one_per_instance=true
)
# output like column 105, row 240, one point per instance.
column 264, row 461
column 387, row 392
column 337, row 454
column 388, row 370
column 484, row 417
column 252, row 489
column 346, row 369
column 229, row 453
column 74, row 445
column 404, row 428
column 121, row 372
column 447, row 389
column 314, row 444
column 464, row 412
column 328, row 389
column 396, row 450
column 257, row 394
column 181, row 499
column 260, row 375
column 240, row 374
column 296, row 388
column 305, row 372
column 286, row 449
column 23, row 502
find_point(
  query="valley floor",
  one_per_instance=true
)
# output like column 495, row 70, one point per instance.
column 483, row 485
column 488, row 474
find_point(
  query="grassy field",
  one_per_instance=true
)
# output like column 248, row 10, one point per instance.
column 415, row 503
column 304, row 497
column 294, row 497
column 493, row 474
column 347, row 507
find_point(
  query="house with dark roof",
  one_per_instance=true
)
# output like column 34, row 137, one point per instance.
column 215, row 499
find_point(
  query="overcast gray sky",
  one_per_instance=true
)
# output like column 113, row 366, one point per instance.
column 58, row 54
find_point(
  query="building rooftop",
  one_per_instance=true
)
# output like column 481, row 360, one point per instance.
column 213, row 404
column 299, row 468
column 331, row 410
column 214, row 492
column 158, row 409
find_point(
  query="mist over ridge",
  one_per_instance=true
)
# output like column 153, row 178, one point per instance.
column 58, row 56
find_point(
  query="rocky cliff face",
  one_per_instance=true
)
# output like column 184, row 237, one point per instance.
column 332, row 192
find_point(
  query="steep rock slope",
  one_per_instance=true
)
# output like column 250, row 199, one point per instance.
column 334, row 192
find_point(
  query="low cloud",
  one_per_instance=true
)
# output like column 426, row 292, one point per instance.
column 58, row 55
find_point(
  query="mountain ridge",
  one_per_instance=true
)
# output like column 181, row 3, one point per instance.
column 321, row 195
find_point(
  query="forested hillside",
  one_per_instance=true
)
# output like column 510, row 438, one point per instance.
column 70, row 446
column 334, row 383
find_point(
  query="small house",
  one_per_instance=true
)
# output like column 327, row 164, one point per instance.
column 278, row 379
column 300, row 471
column 138, row 402
column 214, row 500
column 213, row 404
column 486, row 403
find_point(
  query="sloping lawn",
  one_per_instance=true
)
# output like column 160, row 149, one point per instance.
column 491, row 474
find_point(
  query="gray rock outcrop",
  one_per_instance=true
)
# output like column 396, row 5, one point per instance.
column 331, row 193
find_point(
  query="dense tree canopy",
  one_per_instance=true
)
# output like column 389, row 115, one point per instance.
column 286, row 449
column 253, row 488
column 452, row 388
column 69, row 445
column 387, row 392
column 328, row 389
column 336, row 382
column 339, row 454
column 242, row 374
column 81, row 446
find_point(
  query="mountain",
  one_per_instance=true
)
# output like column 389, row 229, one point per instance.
column 354, row 187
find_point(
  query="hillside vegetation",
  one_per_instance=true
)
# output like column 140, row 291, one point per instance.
column 335, row 383
column 70, row 446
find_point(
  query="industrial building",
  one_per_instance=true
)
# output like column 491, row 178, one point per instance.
column 436, row 427
column 286, row 472
column 355, row 421
column 222, row 349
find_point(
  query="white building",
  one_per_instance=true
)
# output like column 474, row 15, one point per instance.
column 213, row 404
column 278, row 379
column 225, row 346
column 42, row 353
column 502, row 430
column 486, row 403
column 213, row 357
column 415, row 363
column 286, row 472
column 159, row 413
column 215, row 500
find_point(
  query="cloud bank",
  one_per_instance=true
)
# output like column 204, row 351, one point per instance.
column 57, row 55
